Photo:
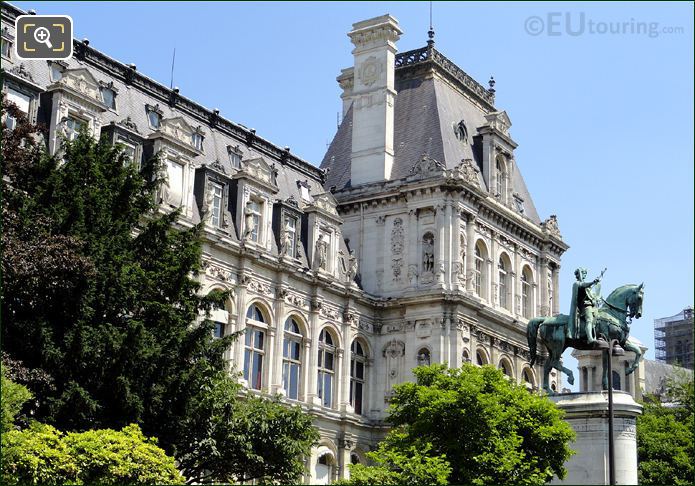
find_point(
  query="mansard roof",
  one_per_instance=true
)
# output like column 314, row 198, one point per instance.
column 427, row 111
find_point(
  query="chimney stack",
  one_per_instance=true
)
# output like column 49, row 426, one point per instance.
column 373, row 95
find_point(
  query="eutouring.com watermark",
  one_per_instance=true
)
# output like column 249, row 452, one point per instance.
column 575, row 24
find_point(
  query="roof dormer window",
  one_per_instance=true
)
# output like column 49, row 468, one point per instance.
column 154, row 116
column 197, row 141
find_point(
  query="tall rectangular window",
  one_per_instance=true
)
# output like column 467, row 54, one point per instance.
column 128, row 149
column 291, row 359
column 216, row 204
column 478, row 273
column 253, row 357
column 257, row 219
column 175, row 182
column 197, row 141
column 6, row 48
column 22, row 101
column 291, row 229
column 73, row 126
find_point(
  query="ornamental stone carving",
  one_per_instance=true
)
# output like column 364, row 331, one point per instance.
column 396, row 267
column 412, row 275
column 551, row 227
column 397, row 237
column 260, row 288
column 216, row 272
column 394, row 349
column 427, row 167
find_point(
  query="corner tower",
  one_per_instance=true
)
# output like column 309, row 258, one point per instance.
column 373, row 96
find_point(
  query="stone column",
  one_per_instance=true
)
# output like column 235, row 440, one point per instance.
column 340, row 366
column 276, row 386
column 412, row 259
column 312, row 392
column 270, row 360
column 446, row 258
column 241, row 325
column 516, row 299
column 345, row 375
column 587, row 413
column 493, row 274
column 470, row 253
column 556, row 290
column 544, row 308
column 456, row 264
column 441, row 220
column 305, row 370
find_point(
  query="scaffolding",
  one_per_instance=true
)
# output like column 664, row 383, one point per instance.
column 673, row 339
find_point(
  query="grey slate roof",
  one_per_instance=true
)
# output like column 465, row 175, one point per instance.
column 426, row 110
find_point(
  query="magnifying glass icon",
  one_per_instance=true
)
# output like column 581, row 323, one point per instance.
column 43, row 36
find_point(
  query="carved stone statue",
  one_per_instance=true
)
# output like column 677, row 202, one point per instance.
column 320, row 253
column 164, row 194
column 209, row 199
column 286, row 242
column 249, row 224
column 412, row 275
column 593, row 323
column 428, row 253
column 352, row 266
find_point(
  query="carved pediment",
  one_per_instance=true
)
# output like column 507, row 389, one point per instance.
column 259, row 170
column 326, row 202
column 499, row 120
column 83, row 82
column 427, row 167
column 178, row 128
column 551, row 227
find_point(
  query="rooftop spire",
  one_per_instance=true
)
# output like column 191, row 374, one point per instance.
column 430, row 33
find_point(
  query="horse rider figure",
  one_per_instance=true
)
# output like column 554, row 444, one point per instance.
column 585, row 300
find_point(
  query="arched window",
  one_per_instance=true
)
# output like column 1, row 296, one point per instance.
column 504, row 284
column 424, row 357
column 527, row 376
column 506, row 368
column 616, row 380
column 220, row 317
column 526, row 293
column 324, row 469
column 480, row 358
column 255, row 313
column 326, row 368
column 354, row 459
column 480, row 270
column 358, row 363
column 254, row 347
column 292, row 358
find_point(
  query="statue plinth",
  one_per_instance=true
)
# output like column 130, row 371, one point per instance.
column 587, row 413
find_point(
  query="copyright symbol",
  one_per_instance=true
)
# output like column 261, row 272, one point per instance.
column 534, row 25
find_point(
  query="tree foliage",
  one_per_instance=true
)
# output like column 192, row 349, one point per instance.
column 395, row 463
column 42, row 454
column 14, row 396
column 665, row 436
column 101, row 289
column 490, row 430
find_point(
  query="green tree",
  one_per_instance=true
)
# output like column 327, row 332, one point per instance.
column 236, row 440
column 13, row 398
column 490, row 430
column 107, row 305
column 665, row 436
column 396, row 463
column 42, row 454
column 101, row 289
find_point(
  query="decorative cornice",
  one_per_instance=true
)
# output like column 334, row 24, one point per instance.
column 456, row 74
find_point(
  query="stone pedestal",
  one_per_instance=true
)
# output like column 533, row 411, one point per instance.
column 587, row 413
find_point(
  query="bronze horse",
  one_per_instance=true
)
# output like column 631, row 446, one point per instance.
column 612, row 322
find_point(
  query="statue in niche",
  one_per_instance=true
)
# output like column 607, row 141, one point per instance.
column 249, row 225
column 286, row 242
column 320, row 253
column 423, row 358
column 207, row 207
column 428, row 253
column 163, row 175
column 352, row 266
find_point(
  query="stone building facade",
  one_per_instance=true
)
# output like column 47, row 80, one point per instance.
column 415, row 242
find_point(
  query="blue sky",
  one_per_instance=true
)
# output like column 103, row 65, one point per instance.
column 604, row 120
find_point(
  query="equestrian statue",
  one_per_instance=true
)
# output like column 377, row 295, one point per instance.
column 592, row 324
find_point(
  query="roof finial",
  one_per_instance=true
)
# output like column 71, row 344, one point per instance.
column 430, row 33
column 491, row 83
